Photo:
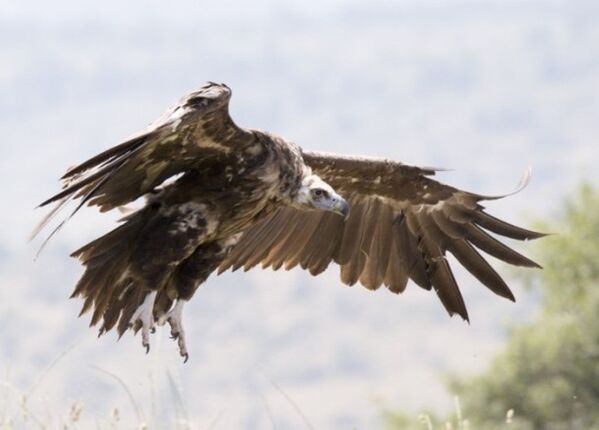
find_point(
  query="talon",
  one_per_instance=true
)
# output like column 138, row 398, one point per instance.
column 174, row 318
column 143, row 319
column 153, row 330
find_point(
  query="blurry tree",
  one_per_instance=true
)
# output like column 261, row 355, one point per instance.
column 548, row 372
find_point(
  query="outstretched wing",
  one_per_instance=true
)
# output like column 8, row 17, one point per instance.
column 197, row 130
column 401, row 225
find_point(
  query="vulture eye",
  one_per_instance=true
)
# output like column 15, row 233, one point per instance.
column 318, row 192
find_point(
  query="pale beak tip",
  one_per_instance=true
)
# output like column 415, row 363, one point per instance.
column 342, row 208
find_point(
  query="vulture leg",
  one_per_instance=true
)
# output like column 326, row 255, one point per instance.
column 174, row 317
column 185, row 280
column 143, row 319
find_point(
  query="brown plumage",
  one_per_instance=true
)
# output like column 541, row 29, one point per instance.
column 220, row 197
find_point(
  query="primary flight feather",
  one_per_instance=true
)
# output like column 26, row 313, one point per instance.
column 220, row 197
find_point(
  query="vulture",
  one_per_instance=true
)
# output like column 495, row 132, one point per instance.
column 218, row 197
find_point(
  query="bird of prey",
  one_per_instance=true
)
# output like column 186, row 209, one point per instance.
column 219, row 197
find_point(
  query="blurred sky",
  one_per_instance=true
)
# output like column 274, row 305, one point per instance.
column 483, row 87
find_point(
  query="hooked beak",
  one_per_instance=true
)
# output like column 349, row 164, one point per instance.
column 340, row 207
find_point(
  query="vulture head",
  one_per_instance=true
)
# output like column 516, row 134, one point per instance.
column 316, row 194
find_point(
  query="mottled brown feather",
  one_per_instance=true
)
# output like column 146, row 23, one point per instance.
column 179, row 141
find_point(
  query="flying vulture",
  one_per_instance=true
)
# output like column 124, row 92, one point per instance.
column 219, row 197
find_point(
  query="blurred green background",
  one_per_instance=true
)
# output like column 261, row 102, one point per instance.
column 547, row 374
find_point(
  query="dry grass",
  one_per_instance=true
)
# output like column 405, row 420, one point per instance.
column 426, row 421
column 16, row 413
column 25, row 410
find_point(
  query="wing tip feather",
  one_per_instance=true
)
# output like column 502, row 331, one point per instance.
column 522, row 184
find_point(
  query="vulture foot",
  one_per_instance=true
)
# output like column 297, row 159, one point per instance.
column 143, row 319
column 174, row 317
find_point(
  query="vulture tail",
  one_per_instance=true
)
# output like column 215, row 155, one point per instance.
column 107, row 287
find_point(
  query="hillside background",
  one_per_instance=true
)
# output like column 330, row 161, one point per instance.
column 483, row 87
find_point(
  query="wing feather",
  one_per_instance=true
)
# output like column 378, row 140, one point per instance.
column 300, row 232
column 275, row 255
column 432, row 244
column 400, row 226
column 396, row 274
column 352, row 269
column 377, row 258
column 327, row 240
column 259, row 248
column 409, row 253
column 197, row 130
column 316, row 249
column 303, row 246
column 472, row 261
column 492, row 246
column 352, row 233
column 503, row 228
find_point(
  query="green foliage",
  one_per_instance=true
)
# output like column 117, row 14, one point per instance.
column 548, row 372
column 398, row 420
column 428, row 421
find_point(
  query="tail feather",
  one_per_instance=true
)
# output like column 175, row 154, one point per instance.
column 115, row 281
column 106, row 285
column 132, row 299
column 115, row 306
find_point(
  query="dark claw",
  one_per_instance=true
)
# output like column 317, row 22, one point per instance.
column 185, row 357
column 147, row 348
column 174, row 336
column 153, row 330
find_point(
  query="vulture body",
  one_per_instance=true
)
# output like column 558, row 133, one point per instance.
column 220, row 197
